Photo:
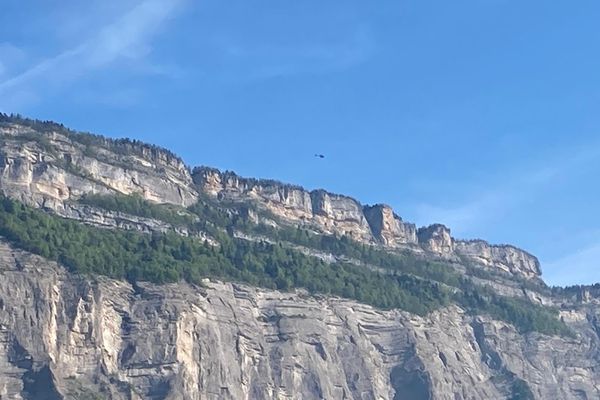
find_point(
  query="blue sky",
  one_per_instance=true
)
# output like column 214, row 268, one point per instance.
column 482, row 115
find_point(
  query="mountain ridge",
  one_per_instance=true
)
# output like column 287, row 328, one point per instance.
column 332, row 213
column 126, row 274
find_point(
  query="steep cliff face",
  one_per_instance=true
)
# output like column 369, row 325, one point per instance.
column 68, row 337
column 335, row 214
column 506, row 258
column 436, row 239
column 47, row 169
column 340, row 214
column 63, row 336
column 389, row 228
column 330, row 213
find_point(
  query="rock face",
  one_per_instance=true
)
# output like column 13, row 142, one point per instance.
column 118, row 220
column 436, row 239
column 330, row 213
column 506, row 258
column 52, row 166
column 389, row 228
column 63, row 336
column 336, row 214
column 47, row 169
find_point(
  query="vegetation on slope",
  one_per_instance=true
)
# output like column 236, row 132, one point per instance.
column 523, row 314
column 410, row 283
column 421, row 293
column 169, row 257
column 136, row 205
column 342, row 246
column 578, row 291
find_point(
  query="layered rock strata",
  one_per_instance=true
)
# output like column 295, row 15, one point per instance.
column 63, row 336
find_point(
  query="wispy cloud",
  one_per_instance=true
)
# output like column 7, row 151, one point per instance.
column 493, row 198
column 10, row 57
column 258, row 61
column 126, row 38
column 580, row 266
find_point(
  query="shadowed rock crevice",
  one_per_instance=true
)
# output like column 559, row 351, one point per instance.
column 38, row 384
column 410, row 385
column 19, row 356
column 505, row 381
column 490, row 357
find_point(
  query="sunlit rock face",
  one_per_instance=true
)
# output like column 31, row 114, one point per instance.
column 504, row 257
column 388, row 227
column 329, row 213
column 335, row 214
column 51, row 168
column 64, row 336
column 436, row 239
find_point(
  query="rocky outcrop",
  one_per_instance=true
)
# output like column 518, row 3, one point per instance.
column 340, row 214
column 329, row 213
column 68, row 337
column 46, row 169
column 49, row 168
column 436, row 239
column 504, row 257
column 336, row 214
column 388, row 227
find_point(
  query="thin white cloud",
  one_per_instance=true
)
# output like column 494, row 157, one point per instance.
column 258, row 61
column 129, row 35
column 40, row 69
column 493, row 198
column 126, row 38
column 463, row 218
column 578, row 267
column 10, row 57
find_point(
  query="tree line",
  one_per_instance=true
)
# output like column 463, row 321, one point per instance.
column 169, row 257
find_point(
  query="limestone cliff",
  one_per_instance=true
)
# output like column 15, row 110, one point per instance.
column 335, row 214
column 436, row 239
column 328, row 212
column 48, row 168
column 388, row 227
column 63, row 336
column 506, row 258
column 47, row 165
